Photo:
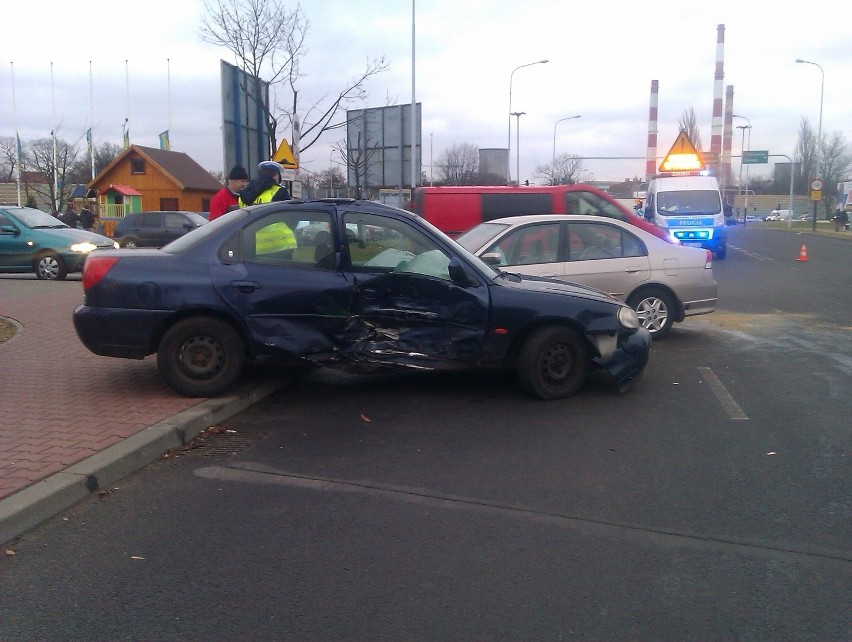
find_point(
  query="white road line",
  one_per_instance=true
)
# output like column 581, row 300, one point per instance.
column 722, row 394
column 759, row 257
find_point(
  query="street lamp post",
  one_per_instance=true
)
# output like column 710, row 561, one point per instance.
column 509, row 136
column 553, row 164
column 518, row 115
column 742, row 157
column 819, row 131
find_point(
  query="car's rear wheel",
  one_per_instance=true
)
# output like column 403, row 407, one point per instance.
column 201, row 357
column 553, row 363
column 129, row 242
column 655, row 309
column 50, row 267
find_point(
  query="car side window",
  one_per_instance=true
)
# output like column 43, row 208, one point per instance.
column 4, row 221
column 529, row 245
column 174, row 221
column 631, row 245
column 591, row 241
column 280, row 239
column 148, row 219
column 382, row 244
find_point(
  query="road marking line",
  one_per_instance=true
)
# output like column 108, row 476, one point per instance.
column 722, row 394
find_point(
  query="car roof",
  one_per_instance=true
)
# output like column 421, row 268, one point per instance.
column 549, row 218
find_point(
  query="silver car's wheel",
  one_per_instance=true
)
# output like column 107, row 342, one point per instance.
column 50, row 267
column 130, row 242
column 655, row 309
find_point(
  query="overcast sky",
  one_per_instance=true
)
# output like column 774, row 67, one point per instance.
column 602, row 59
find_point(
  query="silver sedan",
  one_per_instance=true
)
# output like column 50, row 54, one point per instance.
column 664, row 283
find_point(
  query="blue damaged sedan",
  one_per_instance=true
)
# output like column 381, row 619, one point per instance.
column 34, row 241
column 246, row 287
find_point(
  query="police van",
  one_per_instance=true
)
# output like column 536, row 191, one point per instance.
column 685, row 200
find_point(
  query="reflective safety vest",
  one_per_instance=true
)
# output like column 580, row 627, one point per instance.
column 274, row 237
column 264, row 197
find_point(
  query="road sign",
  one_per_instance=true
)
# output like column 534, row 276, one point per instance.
column 756, row 157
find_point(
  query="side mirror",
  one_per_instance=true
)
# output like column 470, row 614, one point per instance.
column 459, row 274
column 491, row 258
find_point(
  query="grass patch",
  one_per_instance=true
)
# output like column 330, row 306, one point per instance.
column 7, row 330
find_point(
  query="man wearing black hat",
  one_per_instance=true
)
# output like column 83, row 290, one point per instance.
column 226, row 199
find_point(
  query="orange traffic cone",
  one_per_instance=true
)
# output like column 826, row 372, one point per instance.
column 803, row 253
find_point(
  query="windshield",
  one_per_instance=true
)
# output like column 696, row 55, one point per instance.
column 690, row 202
column 478, row 236
column 33, row 218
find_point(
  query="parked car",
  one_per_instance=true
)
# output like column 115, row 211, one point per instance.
column 754, row 218
column 35, row 241
column 242, row 288
column 155, row 229
column 663, row 282
column 779, row 215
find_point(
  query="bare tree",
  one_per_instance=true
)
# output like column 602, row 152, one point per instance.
column 39, row 158
column 566, row 170
column 8, row 158
column 835, row 162
column 804, row 157
column 357, row 158
column 459, row 165
column 267, row 40
column 689, row 123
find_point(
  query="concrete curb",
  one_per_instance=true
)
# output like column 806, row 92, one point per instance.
column 41, row 501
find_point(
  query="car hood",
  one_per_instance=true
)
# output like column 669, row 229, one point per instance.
column 546, row 284
column 68, row 236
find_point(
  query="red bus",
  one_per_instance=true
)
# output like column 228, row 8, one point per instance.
column 455, row 209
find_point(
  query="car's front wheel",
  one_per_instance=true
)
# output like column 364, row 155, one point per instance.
column 50, row 267
column 655, row 309
column 201, row 357
column 129, row 242
column 553, row 363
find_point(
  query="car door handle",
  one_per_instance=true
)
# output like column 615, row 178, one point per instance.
column 245, row 287
column 633, row 270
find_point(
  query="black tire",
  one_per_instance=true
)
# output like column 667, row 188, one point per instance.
column 655, row 309
column 50, row 267
column 201, row 357
column 322, row 237
column 129, row 242
column 553, row 363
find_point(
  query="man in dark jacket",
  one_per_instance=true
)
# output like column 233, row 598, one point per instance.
column 70, row 216
column 87, row 219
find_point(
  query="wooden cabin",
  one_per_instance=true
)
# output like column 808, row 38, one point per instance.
column 145, row 178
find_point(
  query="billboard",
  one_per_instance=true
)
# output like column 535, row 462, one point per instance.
column 245, row 136
column 378, row 146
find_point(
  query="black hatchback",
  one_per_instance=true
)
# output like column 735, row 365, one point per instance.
column 155, row 229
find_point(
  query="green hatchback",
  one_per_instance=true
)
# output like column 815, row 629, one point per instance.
column 34, row 241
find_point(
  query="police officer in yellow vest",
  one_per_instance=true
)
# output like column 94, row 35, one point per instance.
column 267, row 187
column 276, row 237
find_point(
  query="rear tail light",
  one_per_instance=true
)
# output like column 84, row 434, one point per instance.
column 95, row 268
column 708, row 260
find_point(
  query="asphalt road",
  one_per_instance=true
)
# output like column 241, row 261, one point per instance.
column 712, row 501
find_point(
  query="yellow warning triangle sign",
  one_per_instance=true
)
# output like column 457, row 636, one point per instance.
column 682, row 157
column 284, row 155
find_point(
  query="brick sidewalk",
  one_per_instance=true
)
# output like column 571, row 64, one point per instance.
column 59, row 403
